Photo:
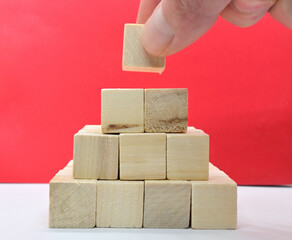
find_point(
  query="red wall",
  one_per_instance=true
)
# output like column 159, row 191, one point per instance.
column 55, row 56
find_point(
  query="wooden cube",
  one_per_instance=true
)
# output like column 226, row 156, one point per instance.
column 166, row 110
column 72, row 201
column 214, row 171
column 214, row 202
column 122, row 110
column 120, row 204
column 96, row 155
column 91, row 129
column 135, row 57
column 70, row 164
column 188, row 155
column 167, row 204
column 142, row 156
column 68, row 170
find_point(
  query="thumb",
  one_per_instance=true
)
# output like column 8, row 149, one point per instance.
column 175, row 24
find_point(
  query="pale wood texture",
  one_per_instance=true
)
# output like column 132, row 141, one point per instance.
column 214, row 202
column 95, row 154
column 120, row 204
column 67, row 170
column 166, row 110
column 72, row 201
column 142, row 156
column 70, row 164
column 214, row 171
column 167, row 204
column 188, row 155
column 91, row 129
column 135, row 57
column 122, row 110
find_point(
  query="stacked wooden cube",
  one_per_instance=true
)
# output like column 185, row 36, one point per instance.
column 143, row 167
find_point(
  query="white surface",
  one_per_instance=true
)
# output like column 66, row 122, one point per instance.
column 263, row 213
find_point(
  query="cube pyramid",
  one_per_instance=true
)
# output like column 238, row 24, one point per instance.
column 142, row 167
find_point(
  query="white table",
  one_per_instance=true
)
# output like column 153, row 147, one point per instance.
column 263, row 213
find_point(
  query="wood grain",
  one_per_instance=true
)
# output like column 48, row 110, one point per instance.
column 135, row 57
column 142, row 156
column 95, row 154
column 167, row 204
column 122, row 110
column 214, row 202
column 166, row 110
column 72, row 201
column 120, row 204
column 188, row 155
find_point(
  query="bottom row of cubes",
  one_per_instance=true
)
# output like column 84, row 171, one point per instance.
column 76, row 203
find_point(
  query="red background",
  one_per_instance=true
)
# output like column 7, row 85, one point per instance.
column 55, row 56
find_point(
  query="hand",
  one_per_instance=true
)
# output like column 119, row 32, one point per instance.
column 172, row 25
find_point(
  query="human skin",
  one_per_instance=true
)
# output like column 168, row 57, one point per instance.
column 172, row 25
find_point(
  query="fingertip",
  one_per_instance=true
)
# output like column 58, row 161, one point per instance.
column 157, row 34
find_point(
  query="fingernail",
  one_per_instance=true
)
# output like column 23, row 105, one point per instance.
column 157, row 34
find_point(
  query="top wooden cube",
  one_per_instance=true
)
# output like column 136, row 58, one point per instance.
column 166, row 110
column 135, row 57
column 152, row 110
column 122, row 110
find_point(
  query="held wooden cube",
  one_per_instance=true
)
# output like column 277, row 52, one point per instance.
column 166, row 110
column 122, row 110
column 96, row 155
column 135, row 57
column 120, row 204
column 142, row 156
column 72, row 201
column 214, row 202
column 167, row 204
column 188, row 155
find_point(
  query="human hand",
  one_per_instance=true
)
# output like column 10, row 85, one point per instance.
column 172, row 25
